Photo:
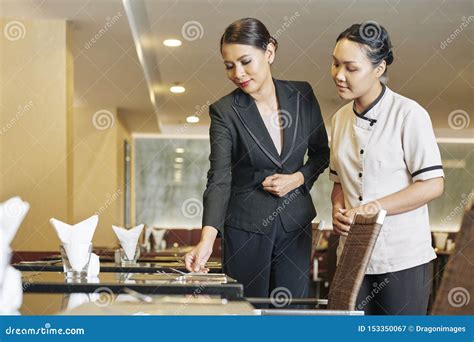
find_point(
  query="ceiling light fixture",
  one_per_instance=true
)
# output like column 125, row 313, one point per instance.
column 172, row 42
column 192, row 119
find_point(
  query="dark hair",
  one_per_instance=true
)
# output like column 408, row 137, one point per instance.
column 248, row 31
column 375, row 39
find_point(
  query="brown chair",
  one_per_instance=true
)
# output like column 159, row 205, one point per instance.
column 353, row 263
column 317, row 234
column 457, row 285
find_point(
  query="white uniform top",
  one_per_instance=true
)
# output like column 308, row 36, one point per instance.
column 377, row 153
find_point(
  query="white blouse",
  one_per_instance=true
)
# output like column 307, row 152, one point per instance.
column 377, row 153
column 273, row 124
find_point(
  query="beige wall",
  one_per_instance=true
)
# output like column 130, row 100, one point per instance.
column 98, row 170
column 66, row 162
column 36, row 93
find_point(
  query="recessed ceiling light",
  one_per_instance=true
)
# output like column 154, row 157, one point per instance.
column 178, row 160
column 172, row 42
column 177, row 89
column 179, row 150
column 192, row 119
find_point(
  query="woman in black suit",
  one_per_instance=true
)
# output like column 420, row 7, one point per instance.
column 257, row 196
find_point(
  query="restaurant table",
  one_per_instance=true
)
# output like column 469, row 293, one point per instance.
column 55, row 265
column 164, row 305
column 123, row 304
column 144, row 283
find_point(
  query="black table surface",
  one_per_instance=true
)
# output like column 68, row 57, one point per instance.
column 141, row 267
column 146, row 283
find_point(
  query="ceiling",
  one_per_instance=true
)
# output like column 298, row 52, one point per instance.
column 109, row 73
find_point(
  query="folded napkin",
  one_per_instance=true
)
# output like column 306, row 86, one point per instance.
column 12, row 213
column 11, row 292
column 158, row 235
column 5, row 258
column 128, row 239
column 81, row 232
column 94, row 266
column 76, row 240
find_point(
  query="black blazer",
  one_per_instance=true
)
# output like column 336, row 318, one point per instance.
column 243, row 154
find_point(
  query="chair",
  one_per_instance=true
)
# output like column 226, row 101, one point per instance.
column 457, row 285
column 353, row 263
column 317, row 235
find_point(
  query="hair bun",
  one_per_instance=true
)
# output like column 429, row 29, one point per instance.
column 273, row 41
column 389, row 58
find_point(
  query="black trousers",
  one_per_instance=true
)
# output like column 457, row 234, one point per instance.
column 275, row 265
column 405, row 292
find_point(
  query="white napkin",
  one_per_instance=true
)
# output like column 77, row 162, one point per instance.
column 11, row 292
column 94, row 266
column 5, row 257
column 158, row 235
column 12, row 213
column 81, row 232
column 76, row 240
column 78, row 255
column 76, row 299
column 128, row 239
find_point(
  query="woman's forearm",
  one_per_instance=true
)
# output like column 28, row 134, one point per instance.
column 208, row 235
column 337, row 196
column 410, row 198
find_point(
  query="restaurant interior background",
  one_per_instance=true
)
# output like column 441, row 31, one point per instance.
column 90, row 123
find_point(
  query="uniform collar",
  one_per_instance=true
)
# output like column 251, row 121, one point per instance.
column 372, row 105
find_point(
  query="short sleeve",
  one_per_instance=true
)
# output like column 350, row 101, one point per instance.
column 421, row 151
column 333, row 172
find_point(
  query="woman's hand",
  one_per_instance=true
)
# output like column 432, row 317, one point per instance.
column 280, row 184
column 196, row 259
column 340, row 222
column 343, row 218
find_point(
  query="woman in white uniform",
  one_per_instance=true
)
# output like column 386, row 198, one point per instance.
column 383, row 155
